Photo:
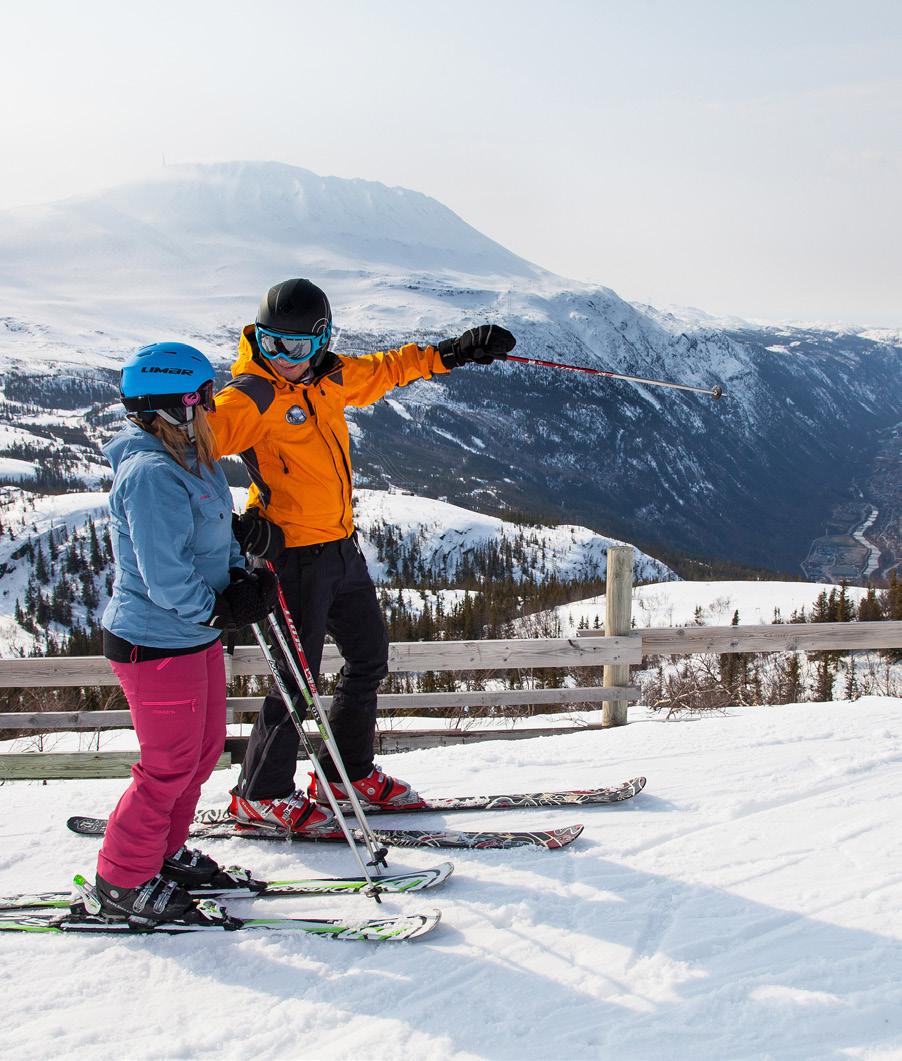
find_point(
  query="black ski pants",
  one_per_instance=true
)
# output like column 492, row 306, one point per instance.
column 329, row 590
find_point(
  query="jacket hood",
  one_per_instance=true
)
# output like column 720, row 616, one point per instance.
column 129, row 441
column 248, row 361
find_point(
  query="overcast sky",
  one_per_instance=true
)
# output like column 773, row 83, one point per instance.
column 743, row 157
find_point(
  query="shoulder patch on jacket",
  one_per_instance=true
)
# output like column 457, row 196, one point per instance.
column 260, row 391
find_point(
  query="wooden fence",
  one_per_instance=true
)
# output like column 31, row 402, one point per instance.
column 618, row 648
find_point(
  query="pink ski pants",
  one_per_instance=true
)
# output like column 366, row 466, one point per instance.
column 178, row 710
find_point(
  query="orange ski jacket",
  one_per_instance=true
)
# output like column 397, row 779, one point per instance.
column 294, row 439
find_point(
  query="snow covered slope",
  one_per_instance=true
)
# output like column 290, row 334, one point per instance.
column 675, row 603
column 444, row 535
column 745, row 906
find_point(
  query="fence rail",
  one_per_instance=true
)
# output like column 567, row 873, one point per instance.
column 237, row 705
column 587, row 649
column 771, row 637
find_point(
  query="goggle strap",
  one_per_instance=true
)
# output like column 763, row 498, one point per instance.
column 153, row 403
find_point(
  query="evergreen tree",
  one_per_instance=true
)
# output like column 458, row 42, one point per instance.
column 791, row 684
column 844, row 607
column 851, row 690
column 869, row 610
column 96, row 556
column 892, row 610
column 40, row 566
column 823, row 684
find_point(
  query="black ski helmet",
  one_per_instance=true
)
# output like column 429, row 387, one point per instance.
column 295, row 307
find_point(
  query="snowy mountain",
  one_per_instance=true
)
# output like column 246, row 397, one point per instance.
column 754, row 477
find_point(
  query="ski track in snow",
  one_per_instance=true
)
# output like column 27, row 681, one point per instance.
column 744, row 906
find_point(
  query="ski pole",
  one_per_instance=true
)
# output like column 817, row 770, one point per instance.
column 372, row 888
column 714, row 392
column 307, row 685
column 311, row 698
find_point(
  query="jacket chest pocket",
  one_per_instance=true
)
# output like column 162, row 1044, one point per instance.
column 212, row 519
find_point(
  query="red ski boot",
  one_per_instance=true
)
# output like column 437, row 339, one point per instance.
column 375, row 790
column 296, row 813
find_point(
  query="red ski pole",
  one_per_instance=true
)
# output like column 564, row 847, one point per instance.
column 713, row 392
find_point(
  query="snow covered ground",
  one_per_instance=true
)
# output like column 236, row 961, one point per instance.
column 744, row 906
column 674, row 603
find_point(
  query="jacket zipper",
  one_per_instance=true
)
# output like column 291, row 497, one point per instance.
column 347, row 472
column 344, row 504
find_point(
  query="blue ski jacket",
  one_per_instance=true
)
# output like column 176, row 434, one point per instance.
column 172, row 541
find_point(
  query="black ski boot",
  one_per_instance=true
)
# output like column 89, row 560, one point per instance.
column 190, row 868
column 147, row 905
column 195, row 870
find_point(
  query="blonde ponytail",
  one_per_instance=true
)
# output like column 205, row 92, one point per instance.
column 175, row 440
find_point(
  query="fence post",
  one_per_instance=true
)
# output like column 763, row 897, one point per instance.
column 617, row 619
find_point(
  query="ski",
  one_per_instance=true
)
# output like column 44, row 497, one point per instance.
column 274, row 889
column 377, row 929
column 550, row 839
column 575, row 797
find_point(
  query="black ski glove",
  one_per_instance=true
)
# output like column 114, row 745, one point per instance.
column 258, row 537
column 485, row 344
column 245, row 600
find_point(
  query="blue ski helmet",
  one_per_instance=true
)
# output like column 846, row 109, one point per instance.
column 167, row 380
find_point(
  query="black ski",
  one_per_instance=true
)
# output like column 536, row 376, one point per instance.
column 574, row 797
column 550, row 839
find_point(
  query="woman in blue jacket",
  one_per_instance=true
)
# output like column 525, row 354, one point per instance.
column 179, row 574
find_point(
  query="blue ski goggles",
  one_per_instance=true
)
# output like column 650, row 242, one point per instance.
column 276, row 346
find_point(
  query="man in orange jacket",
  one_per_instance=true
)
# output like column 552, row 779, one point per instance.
column 284, row 413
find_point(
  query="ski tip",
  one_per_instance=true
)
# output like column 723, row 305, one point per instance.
column 430, row 919
column 638, row 783
column 412, row 926
column 558, row 838
column 415, row 880
column 440, row 872
column 86, row 826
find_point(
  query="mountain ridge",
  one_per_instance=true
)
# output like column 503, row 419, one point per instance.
column 754, row 476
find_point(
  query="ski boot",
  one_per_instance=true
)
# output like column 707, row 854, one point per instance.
column 149, row 904
column 195, row 871
column 296, row 813
column 377, row 789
